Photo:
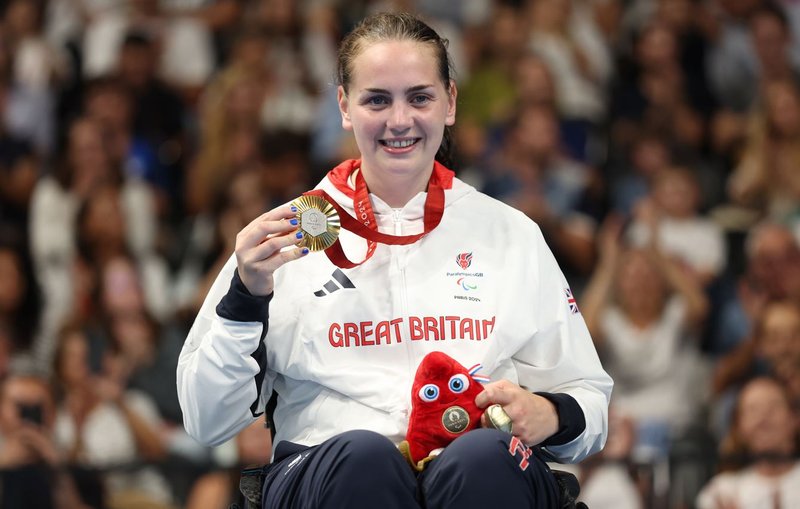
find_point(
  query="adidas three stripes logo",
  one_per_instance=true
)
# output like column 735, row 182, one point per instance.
column 339, row 280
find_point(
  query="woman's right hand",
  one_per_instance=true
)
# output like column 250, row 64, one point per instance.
column 259, row 248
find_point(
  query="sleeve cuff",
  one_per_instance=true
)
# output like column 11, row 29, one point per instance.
column 571, row 421
column 240, row 306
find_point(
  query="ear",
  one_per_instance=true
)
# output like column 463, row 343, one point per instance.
column 344, row 108
column 450, row 119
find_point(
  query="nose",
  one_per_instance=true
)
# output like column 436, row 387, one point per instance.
column 400, row 118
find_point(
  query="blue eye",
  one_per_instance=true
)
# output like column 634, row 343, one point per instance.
column 420, row 99
column 459, row 383
column 377, row 100
column 429, row 392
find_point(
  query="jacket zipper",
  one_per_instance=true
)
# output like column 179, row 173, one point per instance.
column 400, row 252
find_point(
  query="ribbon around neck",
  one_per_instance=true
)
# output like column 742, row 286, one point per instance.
column 367, row 227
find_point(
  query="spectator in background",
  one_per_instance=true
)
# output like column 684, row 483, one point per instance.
column 281, row 174
column 535, row 84
column 83, row 168
column 774, row 253
column 284, row 166
column 21, row 303
column 183, row 29
column 487, row 96
column 101, row 238
column 276, row 42
column 147, row 351
column 109, row 102
column 606, row 479
column 688, row 20
column 766, row 177
column 100, row 424
column 644, row 314
column 733, row 63
column 158, row 116
column 194, row 35
column 213, row 237
column 761, row 449
column 532, row 173
column 647, row 156
column 32, row 474
column 772, row 272
column 568, row 39
column 36, row 68
column 652, row 92
column 35, row 62
column 773, row 44
column 19, row 171
column 773, row 349
column 229, row 137
column 671, row 214
column 219, row 489
column 320, row 37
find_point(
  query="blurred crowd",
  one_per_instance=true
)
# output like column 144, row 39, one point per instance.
column 655, row 142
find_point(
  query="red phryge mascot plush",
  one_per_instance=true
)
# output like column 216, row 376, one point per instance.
column 442, row 406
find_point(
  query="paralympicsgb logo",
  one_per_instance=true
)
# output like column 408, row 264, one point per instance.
column 464, row 260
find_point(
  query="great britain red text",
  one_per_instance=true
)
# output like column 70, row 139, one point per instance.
column 413, row 328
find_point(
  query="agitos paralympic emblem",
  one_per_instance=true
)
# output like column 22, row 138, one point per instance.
column 465, row 284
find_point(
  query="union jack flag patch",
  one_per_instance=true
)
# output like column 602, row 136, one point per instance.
column 573, row 304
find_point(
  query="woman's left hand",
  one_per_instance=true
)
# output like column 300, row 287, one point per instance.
column 533, row 418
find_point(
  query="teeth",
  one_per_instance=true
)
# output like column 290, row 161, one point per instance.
column 399, row 144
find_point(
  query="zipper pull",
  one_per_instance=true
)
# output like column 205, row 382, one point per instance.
column 396, row 218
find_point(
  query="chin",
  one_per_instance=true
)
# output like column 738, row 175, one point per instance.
column 401, row 165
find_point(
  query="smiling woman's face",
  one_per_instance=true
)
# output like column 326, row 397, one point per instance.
column 397, row 107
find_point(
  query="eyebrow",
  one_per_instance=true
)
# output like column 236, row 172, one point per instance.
column 415, row 88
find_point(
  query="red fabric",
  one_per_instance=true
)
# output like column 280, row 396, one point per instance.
column 340, row 175
column 426, row 430
column 441, row 179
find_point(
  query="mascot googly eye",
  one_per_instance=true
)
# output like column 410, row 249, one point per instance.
column 429, row 393
column 459, row 383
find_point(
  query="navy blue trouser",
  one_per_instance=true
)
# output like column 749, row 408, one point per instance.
column 484, row 468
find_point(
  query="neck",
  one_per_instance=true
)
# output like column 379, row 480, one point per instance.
column 774, row 468
column 396, row 190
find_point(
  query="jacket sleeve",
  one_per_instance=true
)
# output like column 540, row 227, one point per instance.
column 222, row 367
column 560, row 363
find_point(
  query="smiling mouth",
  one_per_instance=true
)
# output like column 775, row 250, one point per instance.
column 399, row 143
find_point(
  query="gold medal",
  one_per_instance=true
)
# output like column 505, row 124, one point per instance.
column 455, row 419
column 318, row 221
column 498, row 418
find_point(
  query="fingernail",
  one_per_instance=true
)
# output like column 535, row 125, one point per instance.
column 293, row 222
column 299, row 235
column 305, row 251
column 294, row 209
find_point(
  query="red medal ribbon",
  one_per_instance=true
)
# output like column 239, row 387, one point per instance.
column 366, row 226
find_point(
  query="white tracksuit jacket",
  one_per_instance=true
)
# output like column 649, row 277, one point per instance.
column 343, row 346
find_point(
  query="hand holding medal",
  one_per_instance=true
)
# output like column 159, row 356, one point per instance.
column 260, row 248
column 510, row 408
column 318, row 221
